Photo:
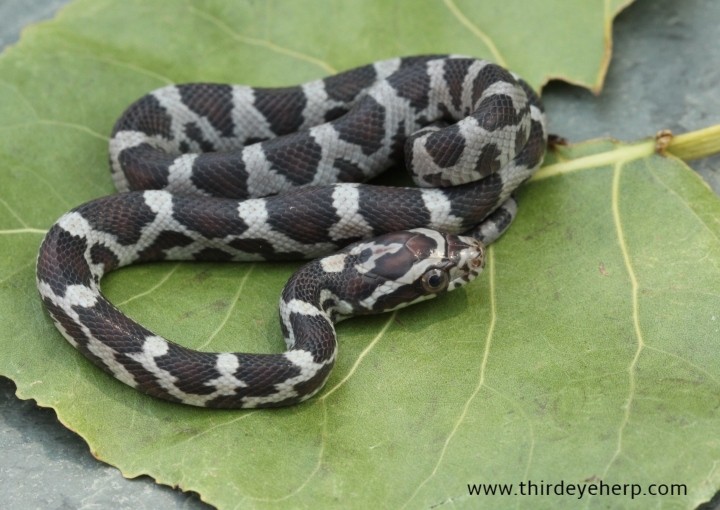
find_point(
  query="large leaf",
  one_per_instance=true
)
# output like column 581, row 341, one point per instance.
column 587, row 351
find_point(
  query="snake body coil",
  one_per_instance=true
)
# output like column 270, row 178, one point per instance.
column 469, row 131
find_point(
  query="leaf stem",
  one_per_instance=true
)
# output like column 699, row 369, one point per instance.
column 688, row 146
column 696, row 144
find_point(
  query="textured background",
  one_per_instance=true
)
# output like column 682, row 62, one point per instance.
column 665, row 74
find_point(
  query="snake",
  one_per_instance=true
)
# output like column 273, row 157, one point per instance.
column 218, row 172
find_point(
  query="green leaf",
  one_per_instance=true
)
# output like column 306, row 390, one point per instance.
column 587, row 351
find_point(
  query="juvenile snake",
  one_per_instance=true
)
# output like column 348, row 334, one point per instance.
column 193, row 161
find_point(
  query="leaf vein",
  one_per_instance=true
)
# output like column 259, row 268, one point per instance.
column 318, row 464
column 472, row 27
column 153, row 288
column 251, row 41
column 19, row 270
column 48, row 122
column 362, row 355
column 682, row 200
column 21, row 96
column 236, row 298
column 14, row 214
column 696, row 367
column 128, row 65
column 635, row 313
column 50, row 187
column 323, row 400
column 207, row 430
column 481, row 378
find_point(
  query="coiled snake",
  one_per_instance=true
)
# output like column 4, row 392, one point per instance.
column 192, row 159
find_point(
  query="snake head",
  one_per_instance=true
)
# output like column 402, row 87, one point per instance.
column 414, row 265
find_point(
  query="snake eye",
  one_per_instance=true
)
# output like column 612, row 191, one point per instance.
column 435, row 280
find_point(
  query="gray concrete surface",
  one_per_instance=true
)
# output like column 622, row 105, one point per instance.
column 665, row 74
column 16, row 14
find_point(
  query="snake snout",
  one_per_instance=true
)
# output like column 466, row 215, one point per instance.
column 468, row 255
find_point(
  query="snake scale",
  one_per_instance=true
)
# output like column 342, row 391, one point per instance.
column 193, row 163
